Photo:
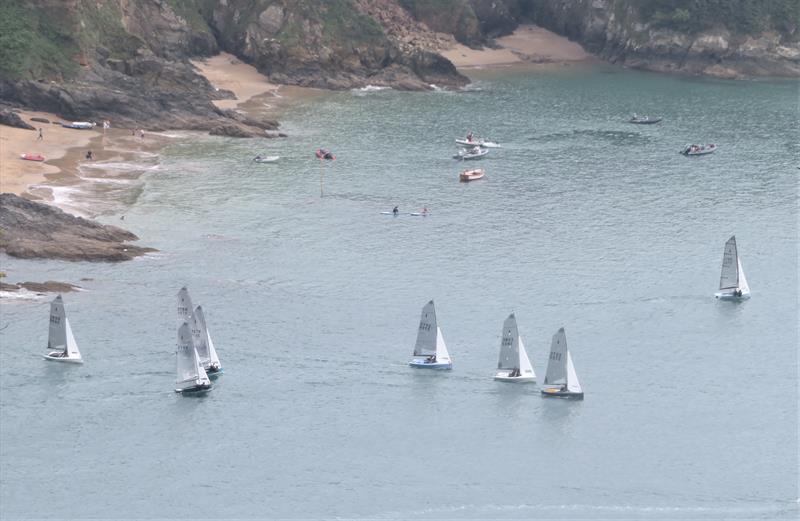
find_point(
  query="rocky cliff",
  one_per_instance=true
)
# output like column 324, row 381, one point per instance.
column 723, row 38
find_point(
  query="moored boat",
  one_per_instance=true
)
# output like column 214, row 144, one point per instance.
column 732, row 282
column 60, row 340
column 471, row 153
column 430, row 351
column 561, row 381
column 324, row 153
column 471, row 175
column 477, row 142
column 514, row 364
column 699, row 150
column 643, row 120
column 266, row 159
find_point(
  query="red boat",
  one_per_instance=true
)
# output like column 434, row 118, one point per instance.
column 32, row 157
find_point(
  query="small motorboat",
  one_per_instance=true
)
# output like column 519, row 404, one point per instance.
column 643, row 120
column 79, row 125
column 477, row 142
column 323, row 153
column 471, row 175
column 32, row 157
column 266, row 159
column 699, row 150
column 471, row 153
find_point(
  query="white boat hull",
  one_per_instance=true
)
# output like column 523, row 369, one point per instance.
column 424, row 364
column 53, row 357
column 725, row 295
column 503, row 377
column 193, row 387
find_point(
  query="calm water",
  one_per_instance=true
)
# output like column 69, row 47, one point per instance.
column 583, row 221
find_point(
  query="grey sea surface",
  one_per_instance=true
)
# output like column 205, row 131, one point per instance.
column 583, row 221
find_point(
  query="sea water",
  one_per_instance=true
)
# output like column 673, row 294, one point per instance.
column 312, row 297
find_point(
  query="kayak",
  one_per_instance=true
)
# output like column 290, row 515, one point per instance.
column 32, row 157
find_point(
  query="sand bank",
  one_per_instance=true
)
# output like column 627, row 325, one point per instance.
column 528, row 44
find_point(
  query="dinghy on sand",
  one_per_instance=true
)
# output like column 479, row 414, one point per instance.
column 190, row 376
column 60, row 341
column 732, row 282
column 561, row 380
column 430, row 351
column 514, row 365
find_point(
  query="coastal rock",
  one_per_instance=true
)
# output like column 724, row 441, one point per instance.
column 12, row 119
column 33, row 230
column 40, row 120
column 49, row 286
column 233, row 129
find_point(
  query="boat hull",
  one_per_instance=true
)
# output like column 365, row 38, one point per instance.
column 194, row 389
column 503, row 377
column 422, row 364
column 63, row 359
column 731, row 296
column 558, row 393
column 214, row 373
column 644, row 121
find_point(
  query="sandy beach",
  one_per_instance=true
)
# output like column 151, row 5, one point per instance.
column 528, row 44
column 65, row 149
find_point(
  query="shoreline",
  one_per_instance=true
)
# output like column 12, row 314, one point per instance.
column 121, row 158
column 528, row 45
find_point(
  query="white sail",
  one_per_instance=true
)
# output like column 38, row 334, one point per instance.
column 557, row 362
column 428, row 333
column 187, row 360
column 441, row 349
column 509, row 345
column 742, row 279
column 184, row 306
column 573, row 385
column 72, row 346
column 729, row 278
column 57, row 337
column 211, row 351
column 525, row 366
column 200, row 335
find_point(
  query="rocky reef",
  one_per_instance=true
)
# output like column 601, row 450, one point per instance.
column 32, row 230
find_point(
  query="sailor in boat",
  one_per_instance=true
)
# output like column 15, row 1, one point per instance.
column 257, row 158
column 395, row 210
column 424, row 210
column 431, row 359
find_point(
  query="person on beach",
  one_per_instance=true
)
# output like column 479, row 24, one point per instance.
column 141, row 133
column 40, row 137
column 89, row 155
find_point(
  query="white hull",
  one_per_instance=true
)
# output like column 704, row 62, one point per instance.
column 503, row 377
column 421, row 363
column 53, row 357
column 727, row 295
column 196, row 386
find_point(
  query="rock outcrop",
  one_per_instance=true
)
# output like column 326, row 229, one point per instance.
column 33, row 230
column 49, row 286
column 12, row 119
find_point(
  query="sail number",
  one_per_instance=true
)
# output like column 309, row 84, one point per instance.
column 555, row 356
column 55, row 319
column 423, row 326
column 507, row 342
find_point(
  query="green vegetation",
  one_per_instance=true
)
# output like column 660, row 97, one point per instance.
column 740, row 16
column 341, row 22
column 35, row 43
column 449, row 16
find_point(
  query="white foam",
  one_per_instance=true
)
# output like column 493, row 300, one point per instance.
column 22, row 294
column 119, row 165
column 372, row 88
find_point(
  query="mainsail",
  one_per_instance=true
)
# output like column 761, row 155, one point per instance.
column 509, row 345
column 200, row 335
column 557, row 362
column 729, row 278
column 57, row 337
column 184, row 306
column 187, row 362
column 428, row 334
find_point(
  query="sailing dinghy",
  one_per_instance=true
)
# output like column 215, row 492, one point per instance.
column 200, row 335
column 561, row 380
column 190, row 375
column 60, row 341
column 204, row 344
column 430, row 351
column 732, row 282
column 514, row 364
